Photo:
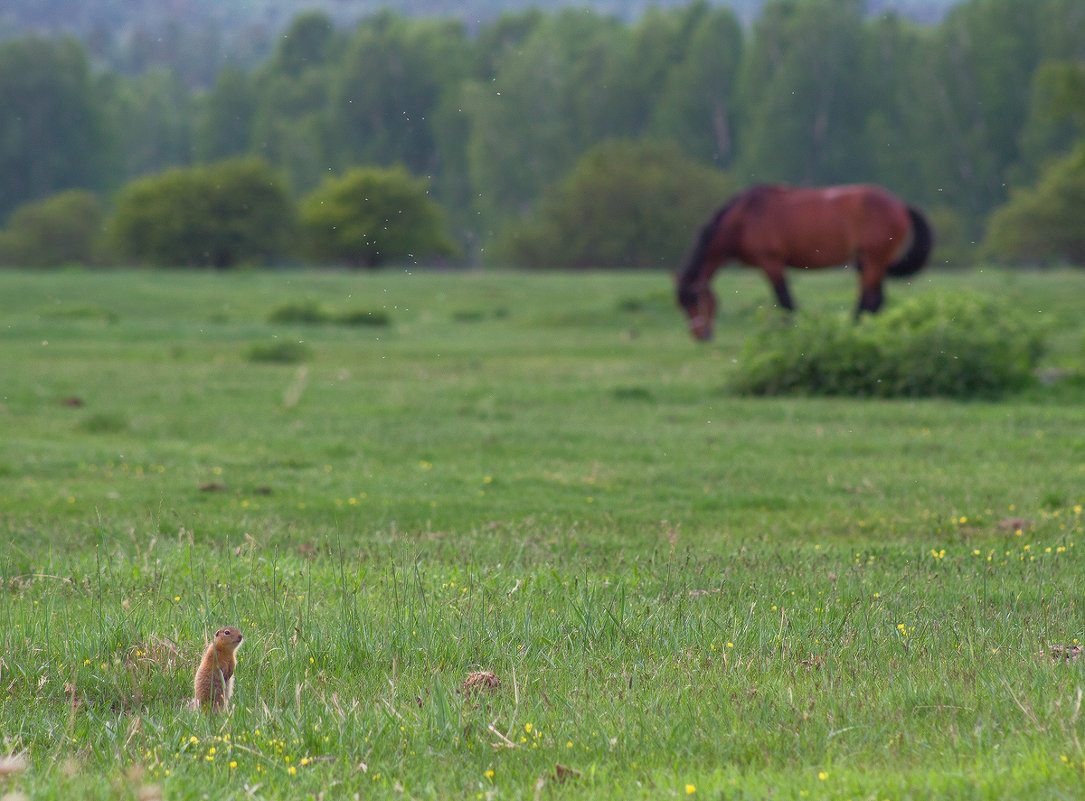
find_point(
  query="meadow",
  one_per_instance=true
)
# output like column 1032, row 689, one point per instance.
column 505, row 535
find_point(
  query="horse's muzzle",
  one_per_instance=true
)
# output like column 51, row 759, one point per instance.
column 701, row 329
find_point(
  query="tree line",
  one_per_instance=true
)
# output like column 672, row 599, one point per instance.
column 538, row 122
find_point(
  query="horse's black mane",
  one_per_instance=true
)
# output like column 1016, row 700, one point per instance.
column 695, row 260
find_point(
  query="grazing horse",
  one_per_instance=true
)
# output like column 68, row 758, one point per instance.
column 774, row 226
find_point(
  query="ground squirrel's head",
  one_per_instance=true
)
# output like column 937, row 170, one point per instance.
column 230, row 637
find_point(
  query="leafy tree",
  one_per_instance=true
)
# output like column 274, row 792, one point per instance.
column 291, row 126
column 697, row 107
column 890, row 148
column 217, row 215
column 804, row 93
column 1043, row 225
column 969, row 93
column 624, row 204
column 373, row 215
column 52, row 134
column 291, row 118
column 224, row 118
column 388, row 85
column 310, row 41
column 642, row 55
column 545, row 106
column 1057, row 115
column 64, row 228
column 151, row 119
column 505, row 34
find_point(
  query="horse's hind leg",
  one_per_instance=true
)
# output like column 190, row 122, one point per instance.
column 775, row 274
column 871, row 297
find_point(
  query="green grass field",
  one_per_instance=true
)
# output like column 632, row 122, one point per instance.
column 682, row 593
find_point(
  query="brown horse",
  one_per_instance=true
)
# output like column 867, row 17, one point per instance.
column 775, row 226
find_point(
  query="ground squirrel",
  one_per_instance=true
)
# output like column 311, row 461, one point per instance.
column 215, row 678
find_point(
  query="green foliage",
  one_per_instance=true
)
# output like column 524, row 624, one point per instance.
column 1043, row 224
column 698, row 105
column 309, row 312
column 819, row 91
column 624, row 204
column 52, row 129
column 281, row 352
column 371, row 216
column 62, row 229
column 306, row 43
column 543, row 107
column 953, row 244
column 151, row 117
column 804, row 90
column 364, row 318
column 389, row 83
column 286, row 105
column 224, row 117
column 217, row 215
column 957, row 346
column 306, row 312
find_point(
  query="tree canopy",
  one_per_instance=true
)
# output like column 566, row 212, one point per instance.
column 373, row 215
column 64, row 228
column 494, row 116
column 624, row 204
column 217, row 215
column 1043, row 224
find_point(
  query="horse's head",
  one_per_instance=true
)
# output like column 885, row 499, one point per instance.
column 711, row 248
column 699, row 304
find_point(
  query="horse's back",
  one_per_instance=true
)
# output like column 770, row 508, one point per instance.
column 822, row 227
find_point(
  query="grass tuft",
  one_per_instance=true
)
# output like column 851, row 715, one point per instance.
column 280, row 352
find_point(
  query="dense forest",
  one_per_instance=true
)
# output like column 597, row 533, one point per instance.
column 952, row 115
column 195, row 39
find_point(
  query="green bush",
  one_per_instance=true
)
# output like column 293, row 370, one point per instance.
column 371, row 216
column 1043, row 224
column 363, row 317
column 309, row 312
column 959, row 346
column 284, row 352
column 64, row 228
column 305, row 312
column 216, row 215
column 624, row 204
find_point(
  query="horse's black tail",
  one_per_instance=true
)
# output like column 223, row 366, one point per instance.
column 922, row 240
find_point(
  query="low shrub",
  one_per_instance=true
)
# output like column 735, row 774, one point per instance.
column 309, row 312
column 373, row 215
column 305, row 312
column 624, row 204
column 959, row 346
column 363, row 317
column 217, row 215
column 64, row 228
column 280, row 353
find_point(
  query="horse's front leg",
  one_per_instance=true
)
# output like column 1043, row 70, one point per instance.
column 775, row 274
